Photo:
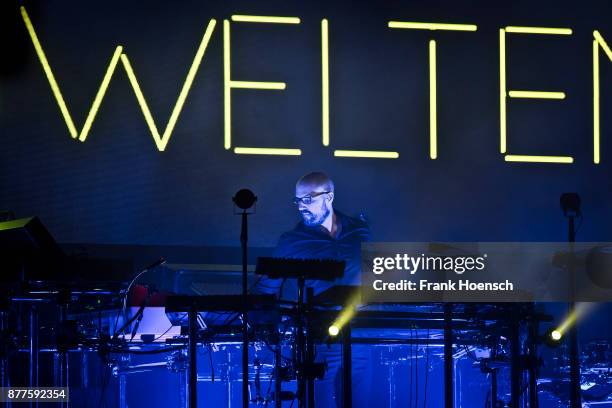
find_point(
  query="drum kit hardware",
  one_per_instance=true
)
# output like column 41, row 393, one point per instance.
column 202, row 338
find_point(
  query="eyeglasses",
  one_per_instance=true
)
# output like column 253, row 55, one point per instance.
column 307, row 199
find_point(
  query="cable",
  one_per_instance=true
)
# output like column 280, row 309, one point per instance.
column 274, row 351
column 154, row 265
column 169, row 328
column 116, row 322
column 280, row 291
column 410, row 369
column 129, row 322
column 416, row 366
column 426, row 370
column 469, row 353
column 212, row 366
column 269, row 388
column 105, row 381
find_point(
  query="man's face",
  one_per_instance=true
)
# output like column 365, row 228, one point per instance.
column 320, row 205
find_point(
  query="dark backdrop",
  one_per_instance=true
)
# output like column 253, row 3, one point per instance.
column 118, row 188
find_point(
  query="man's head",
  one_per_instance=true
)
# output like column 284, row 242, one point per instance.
column 314, row 195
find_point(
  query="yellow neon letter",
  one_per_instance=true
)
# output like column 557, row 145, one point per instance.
column 228, row 84
column 433, row 121
column 325, row 105
column 433, row 125
column 325, row 79
column 502, row 91
column 504, row 94
column 56, row 89
column 432, row 26
column 162, row 141
column 598, row 41
column 265, row 19
column 371, row 154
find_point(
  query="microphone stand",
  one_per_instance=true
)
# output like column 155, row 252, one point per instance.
column 244, row 199
column 575, row 398
column 570, row 203
column 244, row 237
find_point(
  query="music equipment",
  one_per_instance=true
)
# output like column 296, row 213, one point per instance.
column 212, row 303
column 33, row 261
column 293, row 268
column 213, row 321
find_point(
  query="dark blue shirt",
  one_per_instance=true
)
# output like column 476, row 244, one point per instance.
column 307, row 242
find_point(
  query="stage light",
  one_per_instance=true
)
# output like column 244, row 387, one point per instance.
column 579, row 311
column 553, row 337
column 346, row 314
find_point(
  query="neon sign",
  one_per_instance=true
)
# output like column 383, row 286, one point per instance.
column 162, row 140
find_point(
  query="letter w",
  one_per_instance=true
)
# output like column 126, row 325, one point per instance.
column 162, row 141
column 56, row 89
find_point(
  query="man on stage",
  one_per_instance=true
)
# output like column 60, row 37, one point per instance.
column 326, row 233
column 323, row 233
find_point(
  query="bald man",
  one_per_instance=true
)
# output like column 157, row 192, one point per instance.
column 326, row 233
column 323, row 232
